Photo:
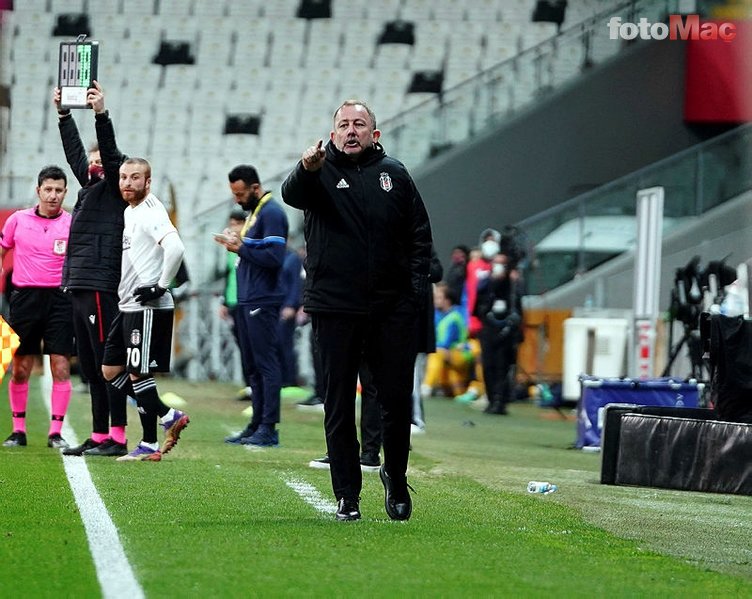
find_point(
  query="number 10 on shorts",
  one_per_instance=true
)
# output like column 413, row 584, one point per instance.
column 134, row 357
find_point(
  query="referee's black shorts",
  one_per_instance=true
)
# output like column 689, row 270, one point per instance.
column 141, row 341
column 42, row 317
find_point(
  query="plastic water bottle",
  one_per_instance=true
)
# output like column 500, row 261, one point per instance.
column 545, row 397
column 540, row 487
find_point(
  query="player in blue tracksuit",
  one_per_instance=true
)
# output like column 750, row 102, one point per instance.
column 261, row 249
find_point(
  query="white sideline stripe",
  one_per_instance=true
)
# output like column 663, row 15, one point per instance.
column 311, row 495
column 114, row 571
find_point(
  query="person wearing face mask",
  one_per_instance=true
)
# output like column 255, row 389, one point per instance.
column 477, row 270
column 91, row 272
column 499, row 307
column 261, row 246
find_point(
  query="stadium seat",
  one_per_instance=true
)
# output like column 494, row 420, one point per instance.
column 29, row 24
column 398, row 31
column 31, row 7
column 567, row 61
column 29, row 56
column 314, row 9
column 321, row 96
column 108, row 7
column 536, row 33
column 202, row 143
column 57, row 7
column 464, row 52
column 450, row 11
column 550, row 11
column 147, row 27
column 456, row 125
column 71, row 25
column 211, row 8
column 173, row 52
column 238, row 148
column 483, row 10
column 247, row 9
column 417, row 10
column 139, row 7
column 180, row 28
column 413, row 99
column 428, row 57
column 286, row 52
column 360, row 34
column 251, row 50
column 173, row 10
column 242, row 124
column 392, row 55
column 213, row 54
column 376, row 11
column 281, row 8
column 346, row 10
column 386, row 103
column 248, row 99
column 108, row 26
column 429, row 82
column 502, row 35
column 136, row 50
column 518, row 11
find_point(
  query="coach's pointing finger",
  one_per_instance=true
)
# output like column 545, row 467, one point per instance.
column 313, row 157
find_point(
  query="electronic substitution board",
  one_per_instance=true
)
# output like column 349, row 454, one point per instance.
column 77, row 70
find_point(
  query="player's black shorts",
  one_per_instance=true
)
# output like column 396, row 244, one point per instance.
column 142, row 341
column 43, row 319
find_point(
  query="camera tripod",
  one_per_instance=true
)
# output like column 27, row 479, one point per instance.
column 693, row 341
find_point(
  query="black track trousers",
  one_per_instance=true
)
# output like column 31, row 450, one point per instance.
column 387, row 344
column 93, row 313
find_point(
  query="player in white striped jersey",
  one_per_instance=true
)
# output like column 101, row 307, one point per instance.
column 140, row 341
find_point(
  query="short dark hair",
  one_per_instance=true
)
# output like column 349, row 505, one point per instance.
column 448, row 292
column 54, row 172
column 245, row 173
column 463, row 248
column 140, row 161
column 237, row 214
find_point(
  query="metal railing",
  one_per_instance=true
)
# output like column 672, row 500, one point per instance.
column 695, row 180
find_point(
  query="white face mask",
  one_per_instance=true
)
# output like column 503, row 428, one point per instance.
column 498, row 269
column 489, row 249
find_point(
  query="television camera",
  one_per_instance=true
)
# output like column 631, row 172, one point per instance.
column 695, row 291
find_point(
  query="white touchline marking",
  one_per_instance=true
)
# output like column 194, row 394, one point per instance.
column 310, row 495
column 114, row 571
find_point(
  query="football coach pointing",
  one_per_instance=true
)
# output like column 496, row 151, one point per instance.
column 368, row 250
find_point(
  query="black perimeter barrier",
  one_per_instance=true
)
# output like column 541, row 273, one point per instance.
column 694, row 449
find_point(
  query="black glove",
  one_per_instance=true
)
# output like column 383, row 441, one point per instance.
column 148, row 293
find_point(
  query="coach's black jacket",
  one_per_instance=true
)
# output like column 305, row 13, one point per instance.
column 367, row 232
column 95, row 244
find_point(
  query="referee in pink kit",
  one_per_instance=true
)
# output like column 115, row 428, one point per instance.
column 40, row 312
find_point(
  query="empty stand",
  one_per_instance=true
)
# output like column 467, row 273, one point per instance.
column 258, row 58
